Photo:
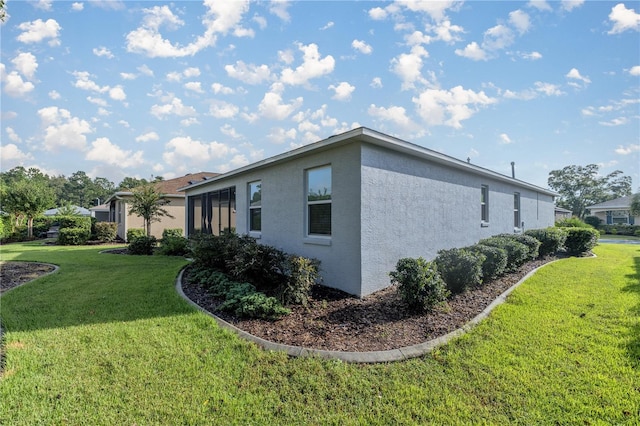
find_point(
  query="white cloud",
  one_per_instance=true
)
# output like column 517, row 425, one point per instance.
column 279, row 135
column 261, row 21
column 376, row 83
column 377, row 14
column 520, row 20
column 569, row 5
column 221, row 17
column 450, row 107
column 635, row 71
column 117, row 93
column 446, row 32
column 532, row 56
column 435, row 9
column 43, row 5
column 77, row 7
column 505, row 139
column 329, row 24
column 174, row 107
column 54, row 95
column 576, row 79
column 97, row 101
column 189, row 122
column 230, row 131
column 84, row 82
column 313, row 66
column 548, row 88
column 12, row 135
column 102, row 51
column 273, row 107
column 144, row 69
column 342, row 91
column 362, row 47
column 191, row 72
column 39, row 30
column 194, row 86
column 62, row 130
column 623, row 19
column 26, row 64
column 14, row 85
column 498, row 37
column 395, row 114
column 220, row 109
column 221, row 89
column 248, row 73
column 183, row 148
column 279, row 8
column 102, row 150
column 626, row 150
column 408, row 66
column 11, row 154
column 286, row 56
column 128, row 76
column 614, row 122
column 541, row 5
column 472, row 51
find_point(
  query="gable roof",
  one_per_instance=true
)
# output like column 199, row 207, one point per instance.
column 617, row 203
column 170, row 187
column 364, row 134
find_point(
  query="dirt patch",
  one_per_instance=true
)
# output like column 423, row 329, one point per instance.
column 12, row 274
column 333, row 320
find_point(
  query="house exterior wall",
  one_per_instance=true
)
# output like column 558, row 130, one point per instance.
column 412, row 207
column 126, row 221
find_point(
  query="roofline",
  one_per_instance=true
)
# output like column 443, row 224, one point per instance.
column 373, row 137
column 121, row 194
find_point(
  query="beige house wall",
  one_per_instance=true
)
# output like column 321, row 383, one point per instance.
column 126, row 221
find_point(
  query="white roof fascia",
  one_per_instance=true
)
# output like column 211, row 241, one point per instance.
column 380, row 139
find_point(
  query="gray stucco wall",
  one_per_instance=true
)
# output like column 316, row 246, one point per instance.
column 412, row 207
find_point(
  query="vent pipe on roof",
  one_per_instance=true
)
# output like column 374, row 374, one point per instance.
column 513, row 169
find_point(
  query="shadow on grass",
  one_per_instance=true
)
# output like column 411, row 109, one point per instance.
column 90, row 288
column 634, row 345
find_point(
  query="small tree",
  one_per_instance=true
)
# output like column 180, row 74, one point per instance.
column 27, row 198
column 148, row 203
column 635, row 205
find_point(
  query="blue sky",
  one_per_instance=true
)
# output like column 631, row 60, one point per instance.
column 117, row 88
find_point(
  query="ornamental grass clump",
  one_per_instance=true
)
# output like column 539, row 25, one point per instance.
column 460, row 269
column 419, row 284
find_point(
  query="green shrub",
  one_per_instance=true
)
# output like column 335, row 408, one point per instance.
column 594, row 221
column 106, row 231
column 259, row 305
column 419, row 283
column 83, row 222
column 73, row 236
column 143, row 246
column 212, row 251
column 516, row 252
column 532, row 243
column 174, row 246
column 172, row 232
column 637, row 232
column 572, row 222
column 580, row 240
column 133, row 233
column 41, row 225
column 551, row 239
column 301, row 274
column 460, row 268
column 495, row 262
column 262, row 265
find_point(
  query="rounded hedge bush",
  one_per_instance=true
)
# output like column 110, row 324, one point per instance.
column 551, row 239
column 419, row 283
column 516, row 252
column 580, row 240
column 495, row 262
column 460, row 268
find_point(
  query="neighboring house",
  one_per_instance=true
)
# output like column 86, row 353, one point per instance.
column 119, row 205
column 361, row 200
column 562, row 213
column 101, row 212
column 615, row 212
column 77, row 209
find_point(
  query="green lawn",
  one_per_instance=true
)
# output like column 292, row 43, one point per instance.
column 106, row 341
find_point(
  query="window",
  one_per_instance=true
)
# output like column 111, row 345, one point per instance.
column 319, row 201
column 255, row 206
column 484, row 204
column 213, row 212
column 516, row 210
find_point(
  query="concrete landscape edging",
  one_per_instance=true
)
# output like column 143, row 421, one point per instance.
column 399, row 354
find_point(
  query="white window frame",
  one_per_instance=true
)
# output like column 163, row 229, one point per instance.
column 251, row 209
column 484, row 205
column 517, row 212
column 314, row 237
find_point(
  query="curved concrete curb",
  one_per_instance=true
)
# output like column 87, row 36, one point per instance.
column 399, row 354
column 55, row 269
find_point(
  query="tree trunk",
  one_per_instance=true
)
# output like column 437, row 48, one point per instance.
column 30, row 228
column 148, row 226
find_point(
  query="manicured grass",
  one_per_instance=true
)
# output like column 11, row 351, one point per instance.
column 107, row 341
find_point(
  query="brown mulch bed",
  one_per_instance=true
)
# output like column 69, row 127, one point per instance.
column 12, row 274
column 333, row 320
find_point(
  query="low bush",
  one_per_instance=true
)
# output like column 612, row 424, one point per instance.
column 106, row 231
column 301, row 274
column 41, row 225
column 133, row 233
column 495, row 262
column 211, row 251
column 262, row 265
column 620, row 229
column 142, row 246
column 83, row 222
column 460, row 268
column 73, row 236
column 580, row 240
column 172, row 232
column 551, row 239
column 419, row 284
column 532, row 243
column 258, row 305
column 516, row 252
column 594, row 221
column 174, row 246
column 572, row 222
